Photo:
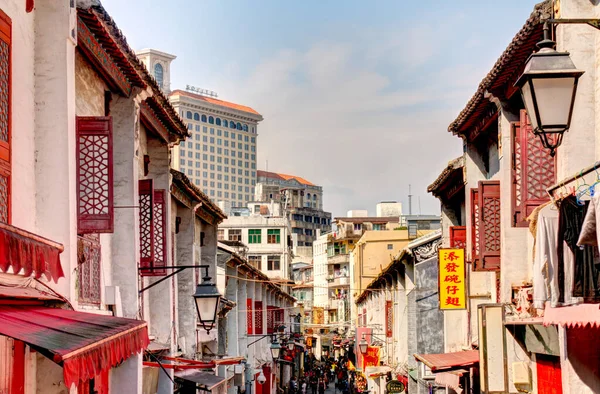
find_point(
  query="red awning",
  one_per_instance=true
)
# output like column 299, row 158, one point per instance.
column 449, row 360
column 85, row 344
column 30, row 253
column 573, row 316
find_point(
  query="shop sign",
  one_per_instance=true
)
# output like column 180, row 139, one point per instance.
column 394, row 386
column 451, row 280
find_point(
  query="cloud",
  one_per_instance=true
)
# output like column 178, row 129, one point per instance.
column 341, row 122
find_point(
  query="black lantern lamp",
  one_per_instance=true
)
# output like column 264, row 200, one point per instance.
column 207, row 299
column 363, row 346
column 548, row 86
column 291, row 345
column 275, row 350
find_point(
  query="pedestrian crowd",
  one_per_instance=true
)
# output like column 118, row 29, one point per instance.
column 319, row 375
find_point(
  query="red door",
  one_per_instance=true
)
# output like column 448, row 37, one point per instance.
column 548, row 374
column 266, row 389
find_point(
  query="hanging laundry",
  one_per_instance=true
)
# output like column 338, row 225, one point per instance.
column 586, row 271
column 547, row 264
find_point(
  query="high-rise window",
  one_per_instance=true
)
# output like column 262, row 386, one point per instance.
column 273, row 263
column 158, row 74
column 273, row 236
column 254, row 236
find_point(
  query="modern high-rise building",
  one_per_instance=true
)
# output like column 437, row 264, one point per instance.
column 220, row 156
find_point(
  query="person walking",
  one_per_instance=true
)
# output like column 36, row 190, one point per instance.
column 322, row 386
column 313, row 384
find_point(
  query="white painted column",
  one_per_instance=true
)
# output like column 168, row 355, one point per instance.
column 54, row 146
column 186, row 283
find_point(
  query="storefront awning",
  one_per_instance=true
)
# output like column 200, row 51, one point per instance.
column 206, row 380
column 85, row 344
column 29, row 254
column 443, row 361
column 573, row 316
column 450, row 379
column 375, row 372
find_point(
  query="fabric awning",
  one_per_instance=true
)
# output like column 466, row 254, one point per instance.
column 573, row 316
column 449, row 360
column 85, row 344
column 374, row 372
column 27, row 252
column 451, row 380
column 206, row 380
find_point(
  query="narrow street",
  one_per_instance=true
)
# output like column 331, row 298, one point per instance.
column 216, row 196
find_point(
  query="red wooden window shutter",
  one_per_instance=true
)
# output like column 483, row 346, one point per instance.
column 5, row 116
column 160, row 237
column 95, row 210
column 458, row 237
column 533, row 171
column 475, row 227
column 389, row 319
column 249, row 315
column 258, row 317
column 270, row 319
column 146, row 202
column 489, row 220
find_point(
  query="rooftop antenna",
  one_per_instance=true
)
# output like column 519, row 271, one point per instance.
column 419, row 205
column 409, row 201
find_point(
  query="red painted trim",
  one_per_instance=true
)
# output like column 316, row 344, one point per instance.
column 29, row 5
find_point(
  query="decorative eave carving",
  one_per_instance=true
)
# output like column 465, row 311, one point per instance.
column 103, row 62
column 426, row 251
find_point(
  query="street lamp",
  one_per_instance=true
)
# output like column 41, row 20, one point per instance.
column 207, row 298
column 548, row 87
column 291, row 345
column 363, row 346
column 275, row 350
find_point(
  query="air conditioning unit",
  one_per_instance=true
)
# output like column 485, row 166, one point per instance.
column 520, row 373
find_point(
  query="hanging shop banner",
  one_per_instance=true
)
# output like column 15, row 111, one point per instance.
column 451, row 280
column 371, row 359
column 309, row 341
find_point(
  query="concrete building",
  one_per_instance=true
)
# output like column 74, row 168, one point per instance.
column 303, row 291
column 399, row 312
column 255, row 305
column 302, row 202
column 220, row 156
column 265, row 234
column 388, row 208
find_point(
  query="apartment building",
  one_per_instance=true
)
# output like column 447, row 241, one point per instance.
column 220, row 156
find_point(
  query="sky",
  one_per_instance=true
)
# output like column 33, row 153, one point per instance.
column 356, row 95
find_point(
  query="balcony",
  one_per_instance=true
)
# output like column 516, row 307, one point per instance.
column 342, row 258
column 339, row 281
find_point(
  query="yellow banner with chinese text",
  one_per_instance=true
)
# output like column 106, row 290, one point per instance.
column 452, row 286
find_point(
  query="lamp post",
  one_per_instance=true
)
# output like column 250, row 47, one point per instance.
column 548, row 86
column 207, row 298
column 363, row 346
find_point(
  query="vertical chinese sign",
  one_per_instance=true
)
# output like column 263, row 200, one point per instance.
column 452, row 288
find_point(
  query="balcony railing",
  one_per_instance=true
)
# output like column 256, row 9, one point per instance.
column 338, row 281
column 342, row 258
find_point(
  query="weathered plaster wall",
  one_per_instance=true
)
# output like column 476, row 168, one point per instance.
column 90, row 88
column 430, row 320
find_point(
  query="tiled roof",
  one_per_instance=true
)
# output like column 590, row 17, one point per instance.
column 283, row 177
column 215, row 101
column 183, row 180
column 374, row 219
column 505, row 71
column 453, row 165
column 100, row 22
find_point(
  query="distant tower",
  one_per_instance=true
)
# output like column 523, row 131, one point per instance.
column 159, row 65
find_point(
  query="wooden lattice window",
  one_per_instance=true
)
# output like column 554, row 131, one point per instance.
column 249, row 316
column 5, row 116
column 159, row 217
column 533, row 171
column 475, row 227
column 489, row 222
column 389, row 319
column 270, row 319
column 89, row 259
column 458, row 236
column 258, row 317
column 146, row 212
column 94, row 159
